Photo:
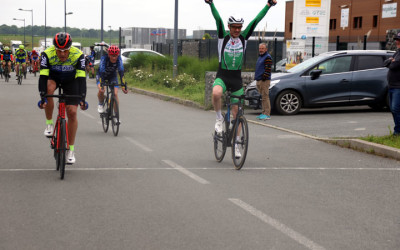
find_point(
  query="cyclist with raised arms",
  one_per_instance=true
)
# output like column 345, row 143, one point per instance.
column 63, row 64
column 6, row 58
column 21, row 56
column 231, row 49
column 109, row 65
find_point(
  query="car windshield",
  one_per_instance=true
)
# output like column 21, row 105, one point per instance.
column 306, row 64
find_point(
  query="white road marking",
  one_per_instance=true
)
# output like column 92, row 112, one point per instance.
column 87, row 114
column 143, row 147
column 277, row 225
column 186, row 172
column 360, row 129
column 219, row 168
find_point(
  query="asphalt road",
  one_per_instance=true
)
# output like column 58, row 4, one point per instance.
column 157, row 185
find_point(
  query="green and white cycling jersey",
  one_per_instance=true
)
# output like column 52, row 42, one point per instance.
column 231, row 50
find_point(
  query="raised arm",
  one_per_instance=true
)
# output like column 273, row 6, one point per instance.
column 253, row 24
column 220, row 25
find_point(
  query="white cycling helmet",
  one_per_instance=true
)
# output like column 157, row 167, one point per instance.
column 235, row 20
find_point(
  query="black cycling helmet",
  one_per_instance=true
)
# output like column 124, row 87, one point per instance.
column 62, row 40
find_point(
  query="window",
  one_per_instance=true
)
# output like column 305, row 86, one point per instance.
column 357, row 23
column 290, row 27
column 335, row 65
column 332, row 24
column 369, row 62
column 375, row 21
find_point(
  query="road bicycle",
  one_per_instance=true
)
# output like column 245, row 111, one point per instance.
column 35, row 67
column 111, row 108
column 6, row 73
column 59, row 141
column 20, row 73
column 235, row 133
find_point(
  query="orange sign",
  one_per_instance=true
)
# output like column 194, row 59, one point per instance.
column 312, row 19
column 313, row 3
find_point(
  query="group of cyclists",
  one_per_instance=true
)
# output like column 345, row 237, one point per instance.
column 22, row 56
column 64, row 65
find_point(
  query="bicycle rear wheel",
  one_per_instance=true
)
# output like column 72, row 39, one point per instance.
column 105, row 116
column 115, row 117
column 240, row 143
column 220, row 141
column 63, row 148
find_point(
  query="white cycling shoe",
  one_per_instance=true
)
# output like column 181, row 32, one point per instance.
column 218, row 125
column 70, row 157
column 237, row 152
column 49, row 130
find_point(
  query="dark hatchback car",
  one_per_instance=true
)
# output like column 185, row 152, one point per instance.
column 337, row 78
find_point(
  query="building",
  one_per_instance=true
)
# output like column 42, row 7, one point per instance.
column 145, row 37
column 371, row 18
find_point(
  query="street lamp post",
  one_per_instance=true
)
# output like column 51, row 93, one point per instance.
column 110, row 34
column 175, row 66
column 65, row 16
column 45, row 35
column 32, row 22
column 24, row 26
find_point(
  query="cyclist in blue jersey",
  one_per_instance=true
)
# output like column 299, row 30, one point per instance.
column 63, row 64
column 109, row 65
column 6, row 58
column 21, row 56
column 92, row 58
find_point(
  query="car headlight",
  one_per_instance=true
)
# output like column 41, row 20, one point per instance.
column 273, row 83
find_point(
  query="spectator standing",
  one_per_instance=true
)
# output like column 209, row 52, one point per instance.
column 263, row 78
column 393, row 78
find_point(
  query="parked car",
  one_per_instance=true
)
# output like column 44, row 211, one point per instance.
column 127, row 53
column 336, row 78
column 281, row 65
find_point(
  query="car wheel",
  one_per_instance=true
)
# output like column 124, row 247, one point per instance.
column 288, row 103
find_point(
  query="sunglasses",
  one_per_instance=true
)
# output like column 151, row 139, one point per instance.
column 62, row 50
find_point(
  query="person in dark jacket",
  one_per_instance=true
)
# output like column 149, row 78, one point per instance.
column 263, row 78
column 393, row 78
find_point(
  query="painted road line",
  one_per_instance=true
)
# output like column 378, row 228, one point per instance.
column 216, row 169
column 186, row 172
column 143, row 147
column 277, row 225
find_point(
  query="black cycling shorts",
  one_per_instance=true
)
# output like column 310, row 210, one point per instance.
column 70, row 88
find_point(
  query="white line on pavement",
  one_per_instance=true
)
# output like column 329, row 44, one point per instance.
column 219, row 168
column 143, row 147
column 277, row 225
column 87, row 114
column 186, row 172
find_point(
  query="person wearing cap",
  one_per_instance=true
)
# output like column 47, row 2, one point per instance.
column 231, row 49
column 393, row 77
column 63, row 64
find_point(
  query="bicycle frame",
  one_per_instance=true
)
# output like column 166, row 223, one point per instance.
column 227, row 118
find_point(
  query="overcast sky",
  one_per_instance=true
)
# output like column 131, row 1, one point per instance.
column 193, row 14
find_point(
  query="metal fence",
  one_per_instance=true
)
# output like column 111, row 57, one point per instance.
column 207, row 49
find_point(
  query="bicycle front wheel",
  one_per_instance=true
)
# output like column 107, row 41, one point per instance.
column 63, row 148
column 220, row 142
column 105, row 116
column 240, row 143
column 115, row 117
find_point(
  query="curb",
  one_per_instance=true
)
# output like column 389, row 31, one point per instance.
column 166, row 98
column 355, row 144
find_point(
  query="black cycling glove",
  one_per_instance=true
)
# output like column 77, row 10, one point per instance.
column 210, row 1
column 271, row 3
